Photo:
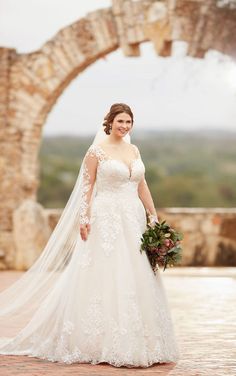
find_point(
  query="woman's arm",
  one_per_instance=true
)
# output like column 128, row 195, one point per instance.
column 89, row 178
column 145, row 195
column 146, row 198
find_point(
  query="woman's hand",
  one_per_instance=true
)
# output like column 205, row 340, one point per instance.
column 84, row 231
column 152, row 219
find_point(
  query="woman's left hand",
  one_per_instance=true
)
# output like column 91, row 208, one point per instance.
column 153, row 219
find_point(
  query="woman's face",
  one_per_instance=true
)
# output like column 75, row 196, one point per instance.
column 121, row 124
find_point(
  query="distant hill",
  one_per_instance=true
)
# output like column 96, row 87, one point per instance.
column 182, row 168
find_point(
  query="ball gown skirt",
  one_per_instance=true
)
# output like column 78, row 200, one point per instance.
column 107, row 305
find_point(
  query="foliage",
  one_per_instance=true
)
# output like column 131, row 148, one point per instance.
column 183, row 169
column 162, row 245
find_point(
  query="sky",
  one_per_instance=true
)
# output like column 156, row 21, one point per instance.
column 177, row 92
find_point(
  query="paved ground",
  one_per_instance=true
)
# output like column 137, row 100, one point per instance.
column 202, row 302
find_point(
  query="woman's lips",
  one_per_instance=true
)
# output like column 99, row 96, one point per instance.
column 122, row 131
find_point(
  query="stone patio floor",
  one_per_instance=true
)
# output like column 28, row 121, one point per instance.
column 203, row 307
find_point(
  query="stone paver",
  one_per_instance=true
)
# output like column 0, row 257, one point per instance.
column 202, row 302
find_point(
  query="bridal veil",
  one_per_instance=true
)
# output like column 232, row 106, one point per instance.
column 21, row 299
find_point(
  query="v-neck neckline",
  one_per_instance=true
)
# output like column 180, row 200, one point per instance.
column 130, row 167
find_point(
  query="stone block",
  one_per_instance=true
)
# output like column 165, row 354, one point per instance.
column 31, row 233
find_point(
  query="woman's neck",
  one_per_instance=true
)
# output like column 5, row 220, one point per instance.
column 115, row 140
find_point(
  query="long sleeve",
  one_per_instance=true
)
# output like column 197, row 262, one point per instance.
column 89, row 178
column 146, row 197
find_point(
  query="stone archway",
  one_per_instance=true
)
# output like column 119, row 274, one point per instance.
column 31, row 83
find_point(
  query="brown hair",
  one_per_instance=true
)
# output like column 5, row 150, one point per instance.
column 116, row 109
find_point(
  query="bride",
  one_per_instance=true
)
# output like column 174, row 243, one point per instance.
column 92, row 296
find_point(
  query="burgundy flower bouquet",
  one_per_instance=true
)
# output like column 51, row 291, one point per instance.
column 162, row 245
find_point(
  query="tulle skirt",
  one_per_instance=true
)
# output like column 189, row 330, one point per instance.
column 107, row 305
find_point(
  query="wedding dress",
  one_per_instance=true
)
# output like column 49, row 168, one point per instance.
column 103, row 302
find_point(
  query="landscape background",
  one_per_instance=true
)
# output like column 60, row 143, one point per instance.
column 183, row 169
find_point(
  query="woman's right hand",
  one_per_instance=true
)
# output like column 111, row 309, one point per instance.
column 84, row 231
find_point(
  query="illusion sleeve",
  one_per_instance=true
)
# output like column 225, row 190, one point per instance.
column 89, row 170
column 145, row 195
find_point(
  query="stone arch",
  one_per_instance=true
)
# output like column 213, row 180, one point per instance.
column 31, row 83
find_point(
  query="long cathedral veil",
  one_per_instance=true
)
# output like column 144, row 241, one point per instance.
column 22, row 298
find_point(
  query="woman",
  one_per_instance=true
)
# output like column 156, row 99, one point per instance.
column 92, row 295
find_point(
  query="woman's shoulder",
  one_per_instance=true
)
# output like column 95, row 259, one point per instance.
column 134, row 146
column 136, row 149
column 98, row 151
column 95, row 150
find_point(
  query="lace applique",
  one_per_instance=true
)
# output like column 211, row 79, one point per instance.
column 84, row 203
column 88, row 174
column 116, row 339
column 128, row 335
column 96, row 151
column 110, row 228
column 137, row 153
column 57, row 349
column 68, row 327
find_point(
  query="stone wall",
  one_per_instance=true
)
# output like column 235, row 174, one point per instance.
column 30, row 84
column 209, row 234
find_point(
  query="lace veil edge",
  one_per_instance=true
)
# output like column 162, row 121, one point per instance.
column 21, row 299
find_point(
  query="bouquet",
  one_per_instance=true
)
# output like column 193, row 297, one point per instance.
column 162, row 245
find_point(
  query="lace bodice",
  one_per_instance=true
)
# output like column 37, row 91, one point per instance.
column 112, row 176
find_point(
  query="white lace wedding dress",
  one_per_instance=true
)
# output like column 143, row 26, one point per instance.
column 107, row 305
